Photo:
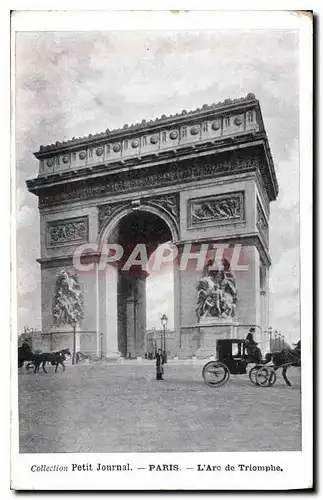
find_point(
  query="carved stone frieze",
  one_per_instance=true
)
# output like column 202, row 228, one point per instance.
column 169, row 202
column 224, row 208
column 130, row 181
column 106, row 211
column 67, row 231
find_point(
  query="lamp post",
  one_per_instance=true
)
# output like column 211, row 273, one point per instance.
column 270, row 331
column 276, row 340
column 101, row 345
column 74, row 343
column 164, row 321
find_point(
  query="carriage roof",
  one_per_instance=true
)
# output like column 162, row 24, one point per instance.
column 230, row 341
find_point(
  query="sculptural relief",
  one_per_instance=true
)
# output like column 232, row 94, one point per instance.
column 173, row 134
column 67, row 231
column 170, row 203
column 216, row 292
column 217, row 208
column 107, row 210
column 67, row 306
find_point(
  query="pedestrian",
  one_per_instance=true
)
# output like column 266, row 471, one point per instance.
column 159, row 365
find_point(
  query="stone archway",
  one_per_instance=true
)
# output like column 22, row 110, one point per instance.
column 147, row 226
column 208, row 174
column 119, row 211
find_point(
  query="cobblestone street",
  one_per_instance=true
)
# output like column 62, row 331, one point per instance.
column 105, row 407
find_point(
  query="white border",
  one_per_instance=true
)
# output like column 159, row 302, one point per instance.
column 297, row 465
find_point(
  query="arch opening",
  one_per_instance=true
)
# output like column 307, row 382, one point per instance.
column 140, row 233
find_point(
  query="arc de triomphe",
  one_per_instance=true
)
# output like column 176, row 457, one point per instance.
column 202, row 179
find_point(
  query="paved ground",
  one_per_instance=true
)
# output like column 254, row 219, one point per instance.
column 122, row 408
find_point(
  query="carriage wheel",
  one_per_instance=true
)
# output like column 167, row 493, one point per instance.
column 215, row 374
column 266, row 377
column 253, row 374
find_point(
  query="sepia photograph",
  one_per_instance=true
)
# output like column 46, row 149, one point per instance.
column 158, row 258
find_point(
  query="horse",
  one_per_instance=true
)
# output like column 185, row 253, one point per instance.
column 284, row 359
column 204, row 289
column 55, row 358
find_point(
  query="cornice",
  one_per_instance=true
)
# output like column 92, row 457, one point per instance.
column 227, row 105
column 67, row 260
column 180, row 153
column 231, row 127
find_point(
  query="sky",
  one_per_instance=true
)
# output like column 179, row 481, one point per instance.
column 72, row 84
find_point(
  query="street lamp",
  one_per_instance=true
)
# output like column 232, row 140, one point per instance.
column 74, row 343
column 101, row 345
column 164, row 321
column 276, row 340
column 270, row 331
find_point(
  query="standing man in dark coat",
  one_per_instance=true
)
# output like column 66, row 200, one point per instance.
column 159, row 365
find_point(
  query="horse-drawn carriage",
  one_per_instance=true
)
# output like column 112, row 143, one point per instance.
column 234, row 355
column 34, row 359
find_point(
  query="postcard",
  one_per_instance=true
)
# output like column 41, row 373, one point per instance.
column 161, row 286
